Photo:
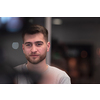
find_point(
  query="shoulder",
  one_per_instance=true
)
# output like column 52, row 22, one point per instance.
column 62, row 76
column 21, row 67
column 57, row 70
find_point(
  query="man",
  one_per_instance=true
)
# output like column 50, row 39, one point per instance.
column 35, row 47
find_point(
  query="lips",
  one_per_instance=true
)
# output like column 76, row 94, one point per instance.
column 34, row 55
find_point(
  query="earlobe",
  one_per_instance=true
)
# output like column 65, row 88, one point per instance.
column 48, row 46
column 23, row 47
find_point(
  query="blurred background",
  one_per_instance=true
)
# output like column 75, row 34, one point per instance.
column 75, row 44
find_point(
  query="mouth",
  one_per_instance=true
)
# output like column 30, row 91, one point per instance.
column 34, row 55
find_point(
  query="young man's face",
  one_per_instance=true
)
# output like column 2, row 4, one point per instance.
column 35, row 47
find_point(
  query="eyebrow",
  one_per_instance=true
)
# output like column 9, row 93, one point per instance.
column 35, row 42
column 38, row 42
column 27, row 42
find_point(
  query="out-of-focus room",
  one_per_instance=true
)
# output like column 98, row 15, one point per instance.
column 75, row 45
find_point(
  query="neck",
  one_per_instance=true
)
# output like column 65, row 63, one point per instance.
column 40, row 67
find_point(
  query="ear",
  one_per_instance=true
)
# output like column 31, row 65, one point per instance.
column 48, row 46
column 23, row 47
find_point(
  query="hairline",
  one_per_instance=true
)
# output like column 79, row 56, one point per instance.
column 46, row 39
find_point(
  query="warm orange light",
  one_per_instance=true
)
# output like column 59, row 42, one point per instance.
column 72, row 62
column 98, row 51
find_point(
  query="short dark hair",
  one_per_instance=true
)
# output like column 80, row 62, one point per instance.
column 34, row 29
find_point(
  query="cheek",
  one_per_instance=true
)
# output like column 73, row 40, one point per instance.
column 26, row 51
column 42, row 50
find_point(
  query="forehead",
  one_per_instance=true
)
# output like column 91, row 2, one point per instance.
column 34, row 37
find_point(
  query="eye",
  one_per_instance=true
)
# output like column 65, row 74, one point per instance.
column 38, row 44
column 29, row 45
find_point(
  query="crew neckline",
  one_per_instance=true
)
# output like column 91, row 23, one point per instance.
column 42, row 72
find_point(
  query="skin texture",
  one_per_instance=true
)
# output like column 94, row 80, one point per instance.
column 35, row 49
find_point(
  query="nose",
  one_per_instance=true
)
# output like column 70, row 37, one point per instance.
column 33, row 49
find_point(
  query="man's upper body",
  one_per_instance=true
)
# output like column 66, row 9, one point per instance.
column 35, row 47
column 51, row 75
